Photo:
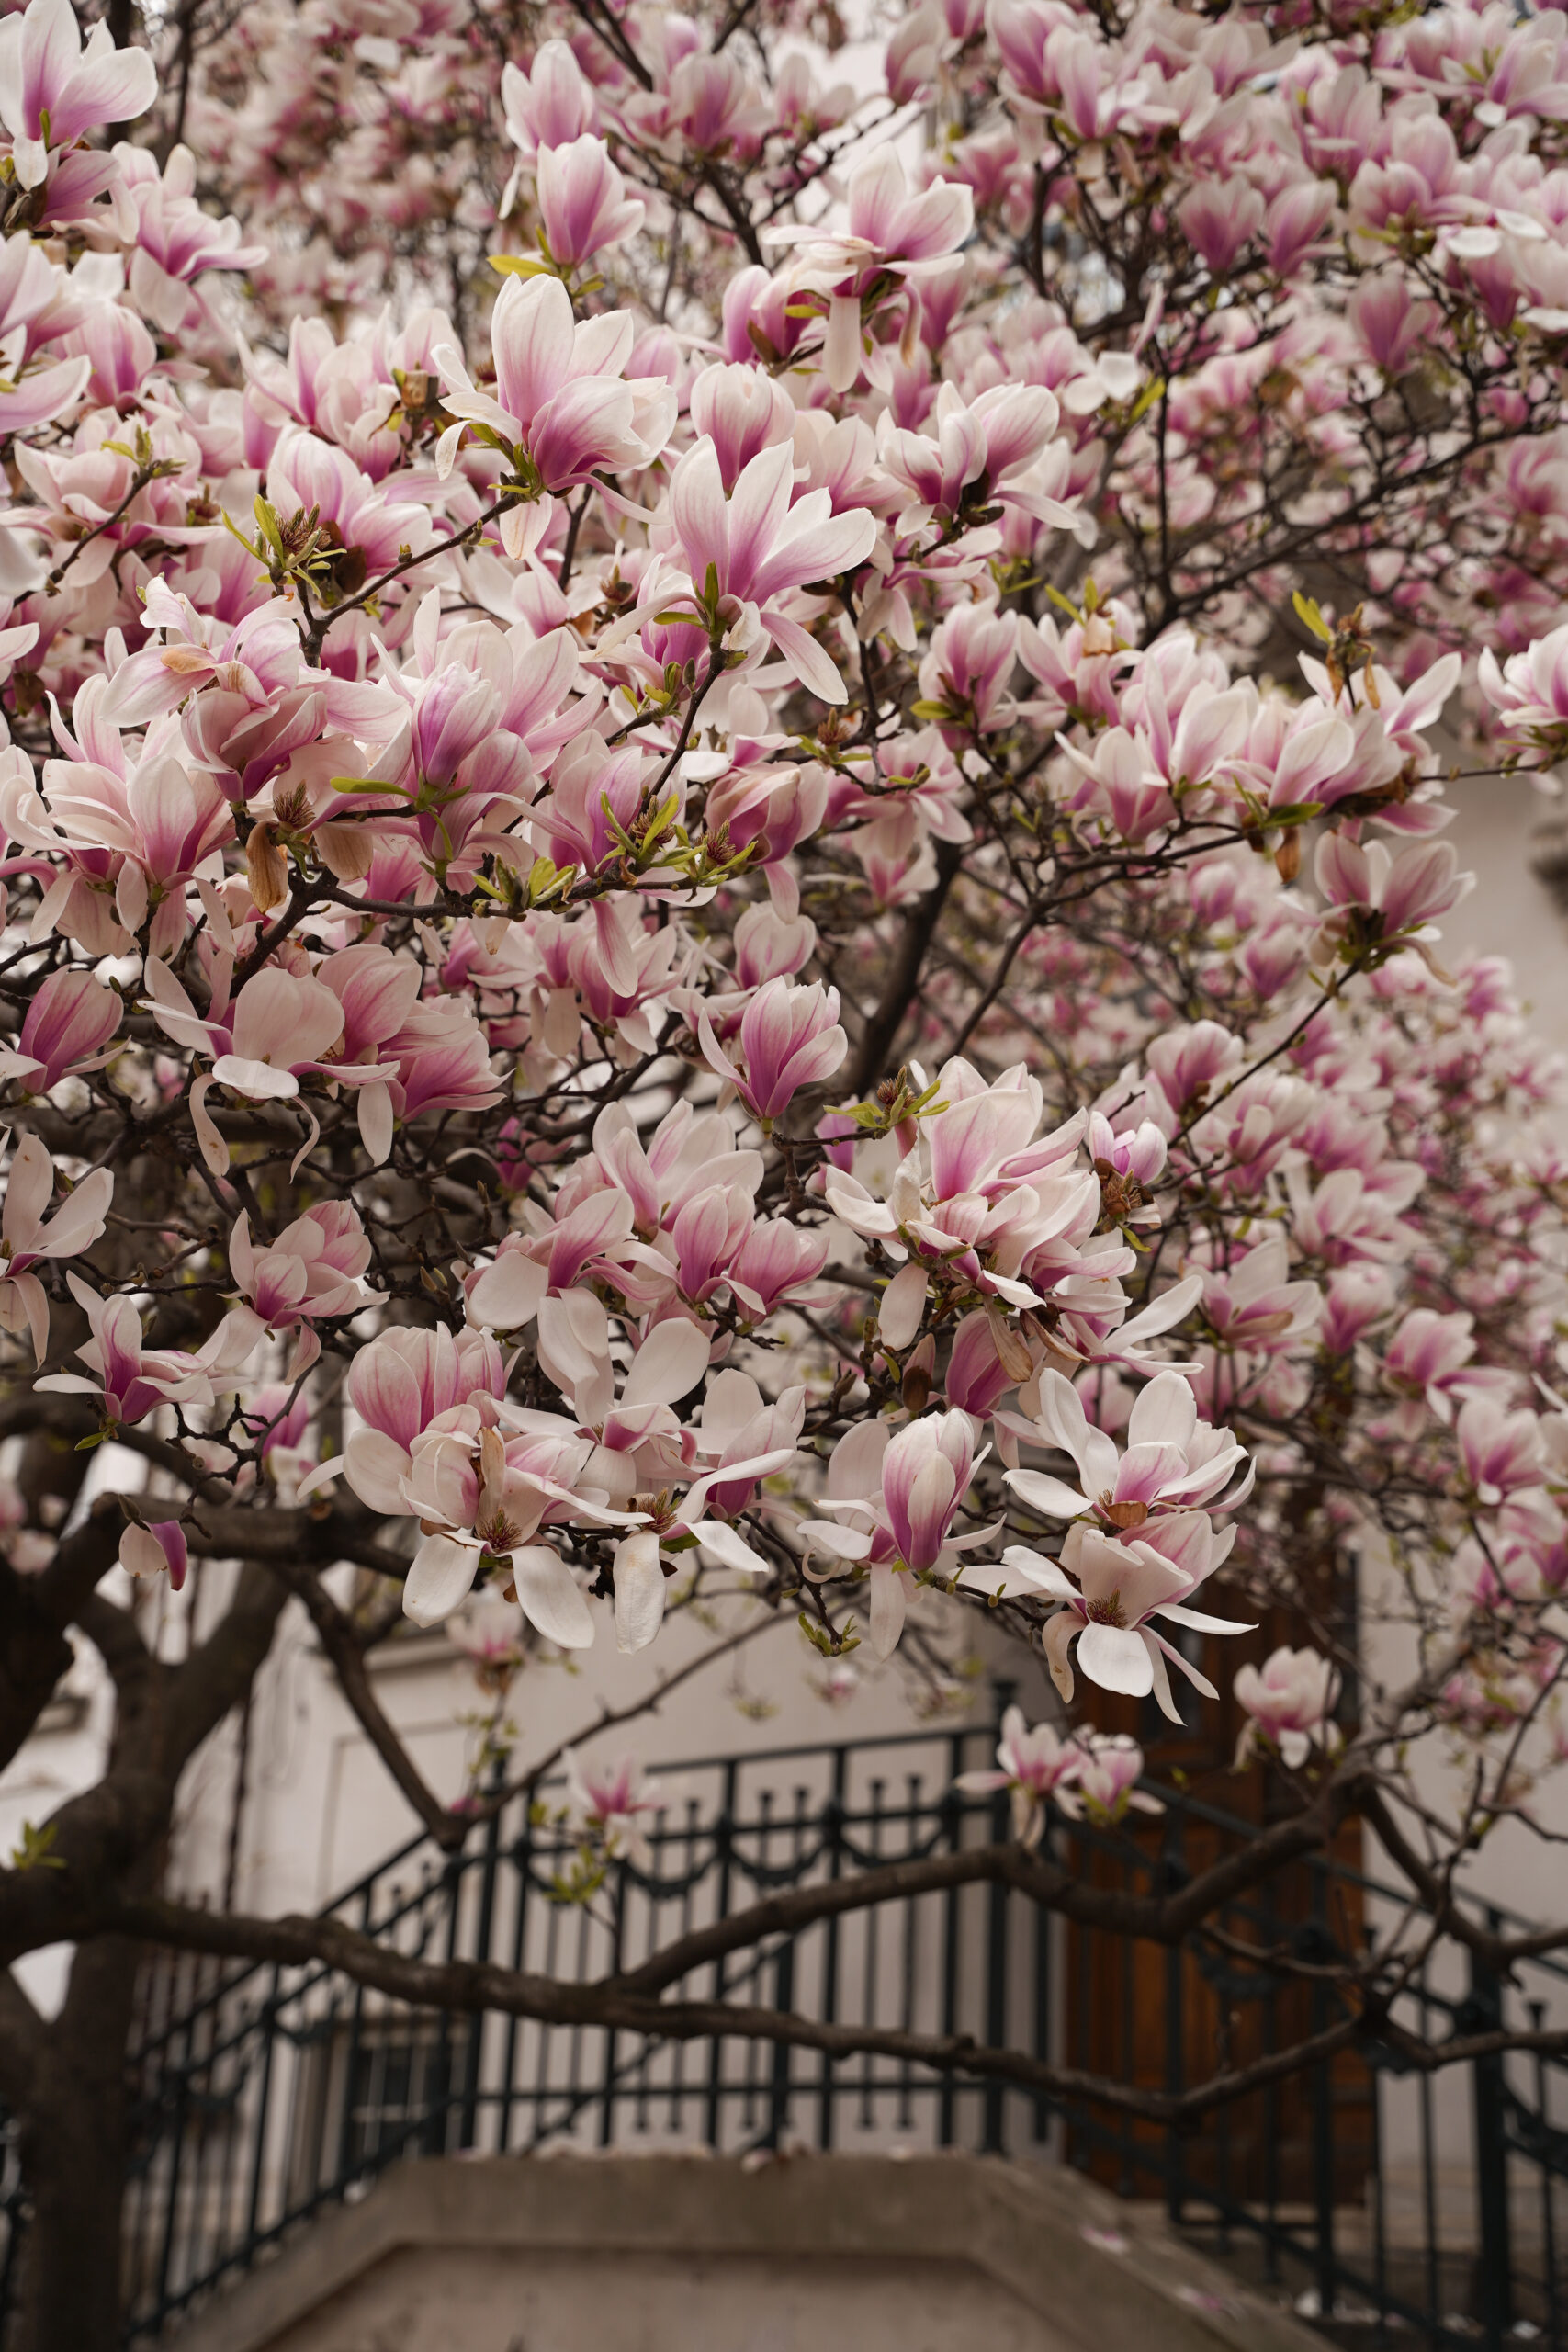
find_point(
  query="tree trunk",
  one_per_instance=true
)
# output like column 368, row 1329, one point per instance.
column 74, row 2145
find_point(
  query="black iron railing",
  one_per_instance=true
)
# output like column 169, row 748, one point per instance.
column 1371, row 2198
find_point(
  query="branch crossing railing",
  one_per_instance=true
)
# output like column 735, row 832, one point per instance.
column 1373, row 2200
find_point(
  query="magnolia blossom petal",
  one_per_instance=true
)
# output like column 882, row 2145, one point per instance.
column 551, row 1597
column 440, row 1577
column 887, row 1600
column 640, row 1584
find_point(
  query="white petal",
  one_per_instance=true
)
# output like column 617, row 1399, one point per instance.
column 508, row 1294
column 669, row 1363
column 726, row 1544
column 254, row 1077
column 1052, row 1495
column 886, row 1610
column 903, row 1304
column 639, row 1592
column 551, row 1597
column 439, row 1578
column 375, row 1465
column 1116, row 1659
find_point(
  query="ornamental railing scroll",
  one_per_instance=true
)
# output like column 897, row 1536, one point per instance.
column 267, row 2093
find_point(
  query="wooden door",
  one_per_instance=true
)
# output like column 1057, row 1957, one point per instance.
column 1164, row 2019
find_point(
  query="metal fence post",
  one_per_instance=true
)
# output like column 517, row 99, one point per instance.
column 1483, row 2014
column 1173, row 1875
column 782, row 2085
column 996, row 1952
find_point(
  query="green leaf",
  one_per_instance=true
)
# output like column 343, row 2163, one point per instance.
column 250, row 548
column 267, row 523
column 33, row 1853
column 1153, row 391
column 1307, row 612
column 1295, row 812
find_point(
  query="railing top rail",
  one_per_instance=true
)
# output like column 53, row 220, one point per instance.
column 944, row 1804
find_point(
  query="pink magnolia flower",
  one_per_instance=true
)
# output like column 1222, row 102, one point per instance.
column 608, row 1799
column 1404, row 889
column 1393, row 324
column 1254, row 1303
column 1357, row 1297
column 889, row 231
column 777, row 1264
column 983, row 1363
column 894, row 1501
column 157, row 1549
column 1192, row 1062
column 69, row 1018
column 989, row 444
column 1431, row 1352
column 756, row 545
column 967, row 669
column 1173, row 1460
column 1112, row 1592
column 1107, row 1779
column 742, row 412
column 790, row 1038
column 141, row 829
column 1034, row 1766
column 400, row 1385
column 177, row 239
column 1530, row 690
column 548, row 105
column 26, row 1241
column 280, row 1028
column 311, row 1269
column 131, row 1380
column 582, row 200
column 1500, row 1450
column 637, row 1436
column 1138, row 1153
column 48, row 77
column 559, row 400
column 738, row 1428
column 1288, row 1704
column 276, row 1419
column 1221, row 218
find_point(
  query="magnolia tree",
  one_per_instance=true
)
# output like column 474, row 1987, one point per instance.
column 725, row 839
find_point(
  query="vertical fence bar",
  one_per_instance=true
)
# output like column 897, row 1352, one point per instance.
column 1175, row 2030
column 351, row 2063
column 484, row 1928
column 1548, row 2184
column 607, row 2092
column 522, row 1865
column 266, row 2026
column 997, row 1949
column 995, row 1985
column 952, row 1804
column 1043, row 1992
column 784, row 2000
column 724, row 1842
column 1428, row 2176
column 1488, row 2095
column 833, row 1846
column 1322, row 2115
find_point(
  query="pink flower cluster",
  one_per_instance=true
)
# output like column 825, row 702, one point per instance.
column 727, row 919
